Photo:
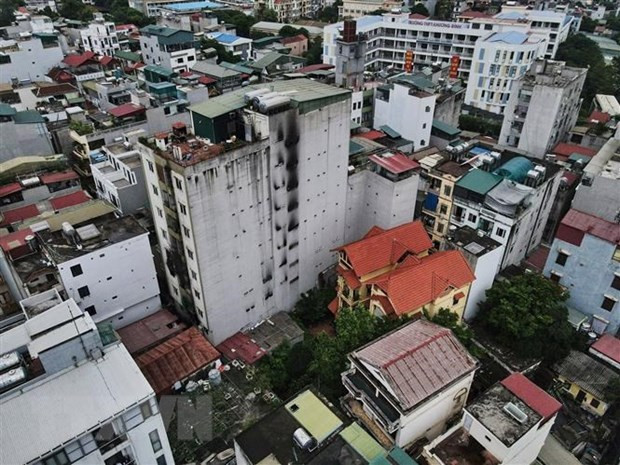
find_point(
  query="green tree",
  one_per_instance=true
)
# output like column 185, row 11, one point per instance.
column 587, row 24
column 290, row 31
column 580, row 51
column 222, row 53
column 355, row 327
column 267, row 14
column 314, row 55
column 443, row 9
column 75, row 9
column 242, row 22
column 420, row 9
column 7, row 11
column 312, row 305
column 486, row 127
column 329, row 14
column 527, row 314
column 444, row 317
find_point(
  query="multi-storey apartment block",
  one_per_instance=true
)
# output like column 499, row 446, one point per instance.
column 168, row 47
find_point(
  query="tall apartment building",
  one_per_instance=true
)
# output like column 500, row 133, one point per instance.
column 168, row 47
column 292, row 10
column 543, row 107
column 255, row 197
column 29, row 58
column 499, row 60
column 352, row 9
column 100, row 37
column 71, row 393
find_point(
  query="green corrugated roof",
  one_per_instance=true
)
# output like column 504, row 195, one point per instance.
column 446, row 128
column 7, row 110
column 301, row 92
column 159, row 30
column 362, row 442
column 313, row 415
column 479, row 181
column 28, row 117
column 355, row 148
column 397, row 456
column 416, row 79
column 390, row 132
column 129, row 56
column 236, row 67
column 166, row 72
column 577, row 156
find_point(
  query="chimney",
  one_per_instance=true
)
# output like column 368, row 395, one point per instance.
column 350, row 30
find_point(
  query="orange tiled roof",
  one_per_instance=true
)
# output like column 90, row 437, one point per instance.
column 415, row 285
column 382, row 248
column 349, row 277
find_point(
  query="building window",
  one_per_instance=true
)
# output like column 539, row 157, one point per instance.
column 76, row 270
column 83, row 291
column 500, row 232
column 472, row 218
column 190, row 254
column 595, row 403
column 427, row 109
column 555, row 277
column 197, row 294
column 161, row 460
column 183, row 209
column 178, row 183
column 194, row 275
column 186, row 231
column 561, row 258
column 160, row 213
column 155, row 190
column 608, row 303
column 150, row 165
column 59, row 458
column 447, row 190
column 91, row 310
column 443, row 209
column 81, row 447
column 440, row 228
column 155, row 441
column 616, row 283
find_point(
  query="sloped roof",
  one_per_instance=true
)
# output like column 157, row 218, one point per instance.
column 147, row 332
column 420, row 281
column 9, row 189
column 54, row 89
column 609, row 346
column 479, row 181
column 15, row 239
column 76, row 61
column 533, row 396
column 565, row 149
column 241, row 346
column 69, row 200
column 375, row 252
column 176, row 359
column 19, row 214
column 126, row 109
column 395, row 163
column 417, row 360
column 588, row 224
column 49, row 178
column 587, row 373
column 293, row 39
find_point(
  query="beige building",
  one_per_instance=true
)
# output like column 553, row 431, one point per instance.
column 357, row 8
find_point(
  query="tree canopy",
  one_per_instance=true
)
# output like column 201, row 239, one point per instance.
column 527, row 314
column 329, row 14
column 420, row 9
column 314, row 55
column 290, row 31
column 222, row 53
column 242, row 22
column 578, row 50
column 7, row 11
column 587, row 24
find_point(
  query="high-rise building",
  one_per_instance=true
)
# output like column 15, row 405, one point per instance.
column 543, row 107
column 253, row 200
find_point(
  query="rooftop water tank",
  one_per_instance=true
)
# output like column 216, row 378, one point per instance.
column 515, row 169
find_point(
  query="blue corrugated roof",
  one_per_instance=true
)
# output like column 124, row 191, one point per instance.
column 225, row 38
column 511, row 37
column 194, row 6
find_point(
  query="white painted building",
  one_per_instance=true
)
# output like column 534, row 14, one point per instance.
column 167, row 47
column 100, row 37
column 389, row 377
column 120, row 178
column 543, row 107
column 71, row 393
column 499, row 61
column 239, row 46
column 357, row 8
column 107, row 266
column 382, row 194
column 406, row 109
column 254, row 198
column 29, row 59
column 508, row 199
column 508, row 425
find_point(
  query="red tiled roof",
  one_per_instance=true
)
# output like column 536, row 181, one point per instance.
column 459, row 295
column 538, row 258
column 385, row 303
column 576, row 224
column 9, row 189
column 349, row 277
column 316, row 67
column 373, row 134
column 609, row 346
column 107, row 60
column 120, row 27
column 19, row 214
column 147, row 332
column 60, row 75
column 76, row 61
column 417, row 16
column 126, row 109
column 396, row 163
column 69, row 200
column 571, row 177
column 54, row 90
column 14, row 240
column 206, row 80
column 411, row 286
column 241, row 346
column 333, row 306
column 565, row 150
column 533, row 396
column 599, row 117
column 374, row 231
column 418, row 360
column 474, row 14
column 375, row 252
column 176, row 359
column 186, row 74
column 50, row 178
column 293, row 39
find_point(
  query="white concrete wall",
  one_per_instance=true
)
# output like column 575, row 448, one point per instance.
column 410, row 115
column 141, row 442
column 121, row 279
column 487, row 266
column 32, row 62
column 429, row 420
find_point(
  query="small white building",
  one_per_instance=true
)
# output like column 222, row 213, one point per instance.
column 100, row 37
column 71, row 393
column 507, row 425
column 407, row 109
column 391, row 379
column 29, row 58
column 120, row 178
column 239, row 46
column 543, row 107
column 499, row 60
column 167, row 47
column 107, row 266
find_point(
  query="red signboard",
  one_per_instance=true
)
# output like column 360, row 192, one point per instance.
column 455, row 61
column 409, row 61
